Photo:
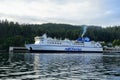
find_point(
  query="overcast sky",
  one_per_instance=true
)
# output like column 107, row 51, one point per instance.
column 77, row 12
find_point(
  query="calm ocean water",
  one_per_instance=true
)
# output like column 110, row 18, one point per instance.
column 68, row 66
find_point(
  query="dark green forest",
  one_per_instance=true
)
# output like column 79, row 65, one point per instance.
column 15, row 34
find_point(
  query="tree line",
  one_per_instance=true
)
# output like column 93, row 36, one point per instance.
column 15, row 34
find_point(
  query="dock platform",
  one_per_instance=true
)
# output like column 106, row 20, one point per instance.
column 24, row 50
column 111, row 50
column 18, row 49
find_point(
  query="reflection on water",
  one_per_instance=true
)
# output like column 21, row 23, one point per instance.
column 68, row 66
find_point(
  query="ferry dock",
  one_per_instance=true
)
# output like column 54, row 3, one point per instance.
column 112, row 50
column 24, row 50
column 18, row 49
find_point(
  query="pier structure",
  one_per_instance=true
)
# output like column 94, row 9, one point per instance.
column 18, row 49
column 24, row 50
column 111, row 50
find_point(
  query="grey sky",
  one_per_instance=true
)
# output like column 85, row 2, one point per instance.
column 77, row 12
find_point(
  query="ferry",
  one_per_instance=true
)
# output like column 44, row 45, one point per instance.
column 48, row 44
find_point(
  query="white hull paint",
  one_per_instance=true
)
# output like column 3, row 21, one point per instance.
column 33, row 47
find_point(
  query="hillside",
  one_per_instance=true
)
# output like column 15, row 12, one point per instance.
column 15, row 34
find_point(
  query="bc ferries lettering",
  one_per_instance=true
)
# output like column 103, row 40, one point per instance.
column 72, row 49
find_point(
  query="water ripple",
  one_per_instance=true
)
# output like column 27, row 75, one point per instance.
column 60, row 67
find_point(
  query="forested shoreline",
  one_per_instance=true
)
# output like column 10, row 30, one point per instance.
column 15, row 34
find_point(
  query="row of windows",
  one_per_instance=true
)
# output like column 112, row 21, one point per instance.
column 53, row 43
column 78, row 43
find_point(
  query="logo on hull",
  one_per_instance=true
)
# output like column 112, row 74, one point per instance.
column 72, row 49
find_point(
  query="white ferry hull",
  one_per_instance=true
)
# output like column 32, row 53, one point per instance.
column 60, row 48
